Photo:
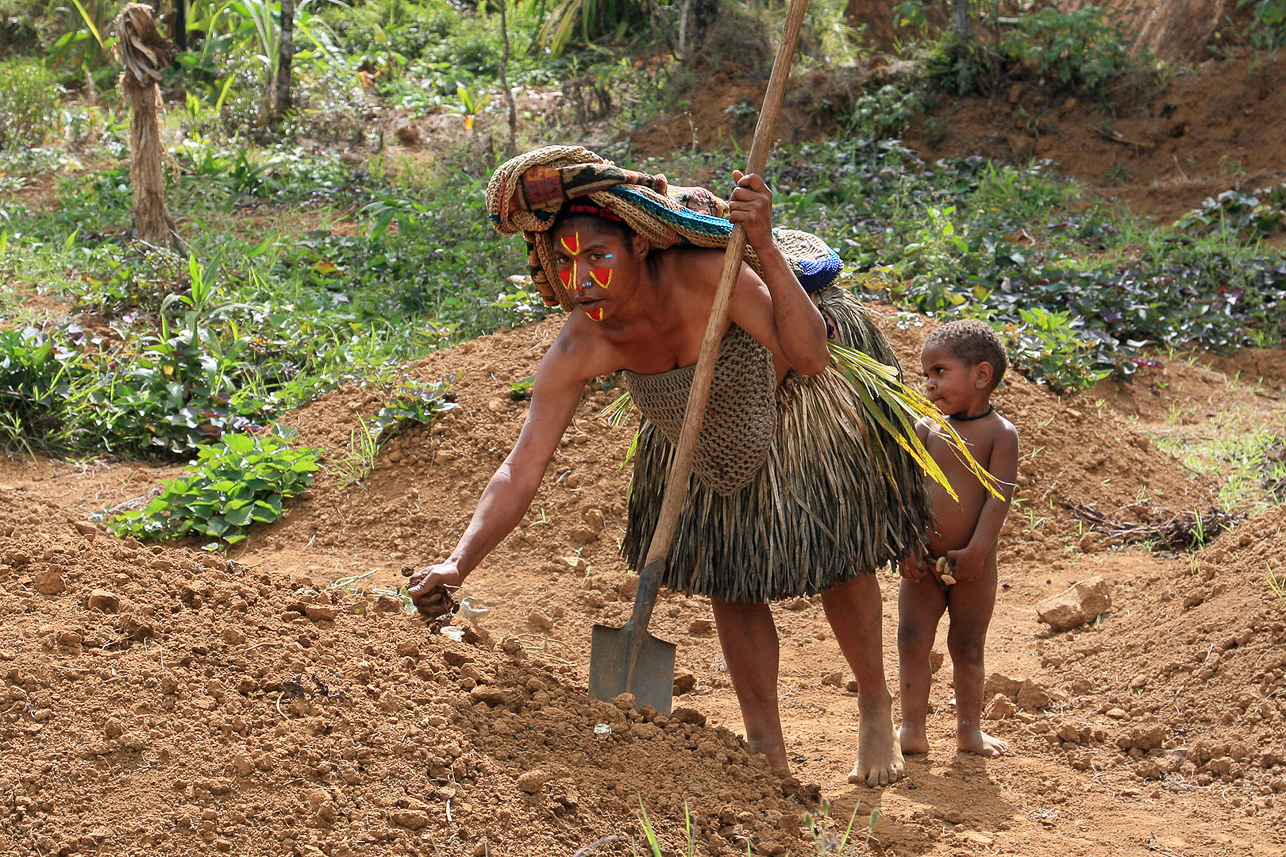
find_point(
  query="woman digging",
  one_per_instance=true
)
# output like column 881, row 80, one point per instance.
column 795, row 491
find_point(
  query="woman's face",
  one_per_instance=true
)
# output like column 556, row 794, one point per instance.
column 595, row 264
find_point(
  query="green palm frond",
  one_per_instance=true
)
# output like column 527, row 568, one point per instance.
column 877, row 384
column 617, row 410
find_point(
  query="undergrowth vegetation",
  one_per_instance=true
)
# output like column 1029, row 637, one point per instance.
column 316, row 257
column 241, row 480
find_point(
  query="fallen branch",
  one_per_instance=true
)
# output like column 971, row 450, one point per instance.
column 1161, row 528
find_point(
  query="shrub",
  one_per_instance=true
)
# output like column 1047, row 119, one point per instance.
column 33, row 380
column 1083, row 48
column 230, row 486
column 1267, row 28
column 28, row 103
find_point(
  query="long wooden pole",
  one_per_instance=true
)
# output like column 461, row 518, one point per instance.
column 676, row 487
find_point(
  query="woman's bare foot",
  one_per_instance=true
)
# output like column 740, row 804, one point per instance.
column 977, row 741
column 913, row 740
column 879, row 755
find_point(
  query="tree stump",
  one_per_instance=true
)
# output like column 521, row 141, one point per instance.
column 144, row 52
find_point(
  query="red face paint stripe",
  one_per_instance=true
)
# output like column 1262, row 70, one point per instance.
column 566, row 277
column 602, row 276
column 572, row 243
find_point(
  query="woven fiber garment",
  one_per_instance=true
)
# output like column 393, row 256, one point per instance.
column 834, row 497
column 740, row 419
column 525, row 194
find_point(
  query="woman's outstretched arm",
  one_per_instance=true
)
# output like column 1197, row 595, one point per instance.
column 509, row 493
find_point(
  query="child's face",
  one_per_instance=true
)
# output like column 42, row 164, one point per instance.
column 953, row 385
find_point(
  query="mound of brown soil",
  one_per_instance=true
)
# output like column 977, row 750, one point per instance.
column 1162, row 149
column 176, row 701
column 1201, row 697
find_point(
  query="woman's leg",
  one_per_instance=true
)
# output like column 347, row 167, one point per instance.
column 750, row 648
column 855, row 613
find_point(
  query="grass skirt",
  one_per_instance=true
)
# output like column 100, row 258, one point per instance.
column 836, row 498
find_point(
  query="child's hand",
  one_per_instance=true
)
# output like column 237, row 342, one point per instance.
column 914, row 567
column 968, row 563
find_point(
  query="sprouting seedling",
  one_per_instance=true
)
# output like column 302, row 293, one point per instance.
column 828, row 843
column 1275, row 584
column 521, row 390
column 870, row 825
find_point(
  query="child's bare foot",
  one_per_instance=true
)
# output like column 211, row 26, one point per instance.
column 977, row 741
column 879, row 755
column 913, row 740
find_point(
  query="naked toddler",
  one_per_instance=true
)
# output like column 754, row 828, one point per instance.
column 963, row 363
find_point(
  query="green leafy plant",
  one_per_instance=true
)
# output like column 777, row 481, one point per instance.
column 1260, row 213
column 1267, row 29
column 243, row 480
column 1050, row 353
column 883, row 113
column 520, row 391
column 28, row 103
column 34, row 377
column 933, row 262
column 1082, row 48
column 412, row 403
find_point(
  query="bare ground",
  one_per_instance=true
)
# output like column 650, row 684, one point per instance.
column 166, row 699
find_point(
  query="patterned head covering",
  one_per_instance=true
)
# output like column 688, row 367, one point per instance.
column 526, row 193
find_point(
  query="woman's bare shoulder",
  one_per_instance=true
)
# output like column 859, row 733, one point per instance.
column 696, row 266
column 579, row 352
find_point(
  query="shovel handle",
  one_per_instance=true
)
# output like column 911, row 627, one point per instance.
column 645, row 598
column 676, row 487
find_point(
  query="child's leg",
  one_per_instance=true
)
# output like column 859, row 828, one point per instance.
column 920, row 606
column 856, row 617
column 750, row 648
column 971, row 605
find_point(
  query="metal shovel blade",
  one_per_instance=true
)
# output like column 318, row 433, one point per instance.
column 651, row 675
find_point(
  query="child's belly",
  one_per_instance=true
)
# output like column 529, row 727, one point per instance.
column 953, row 522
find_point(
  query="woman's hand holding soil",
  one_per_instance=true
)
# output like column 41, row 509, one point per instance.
column 431, row 588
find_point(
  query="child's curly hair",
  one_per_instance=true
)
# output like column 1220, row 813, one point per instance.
column 973, row 342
